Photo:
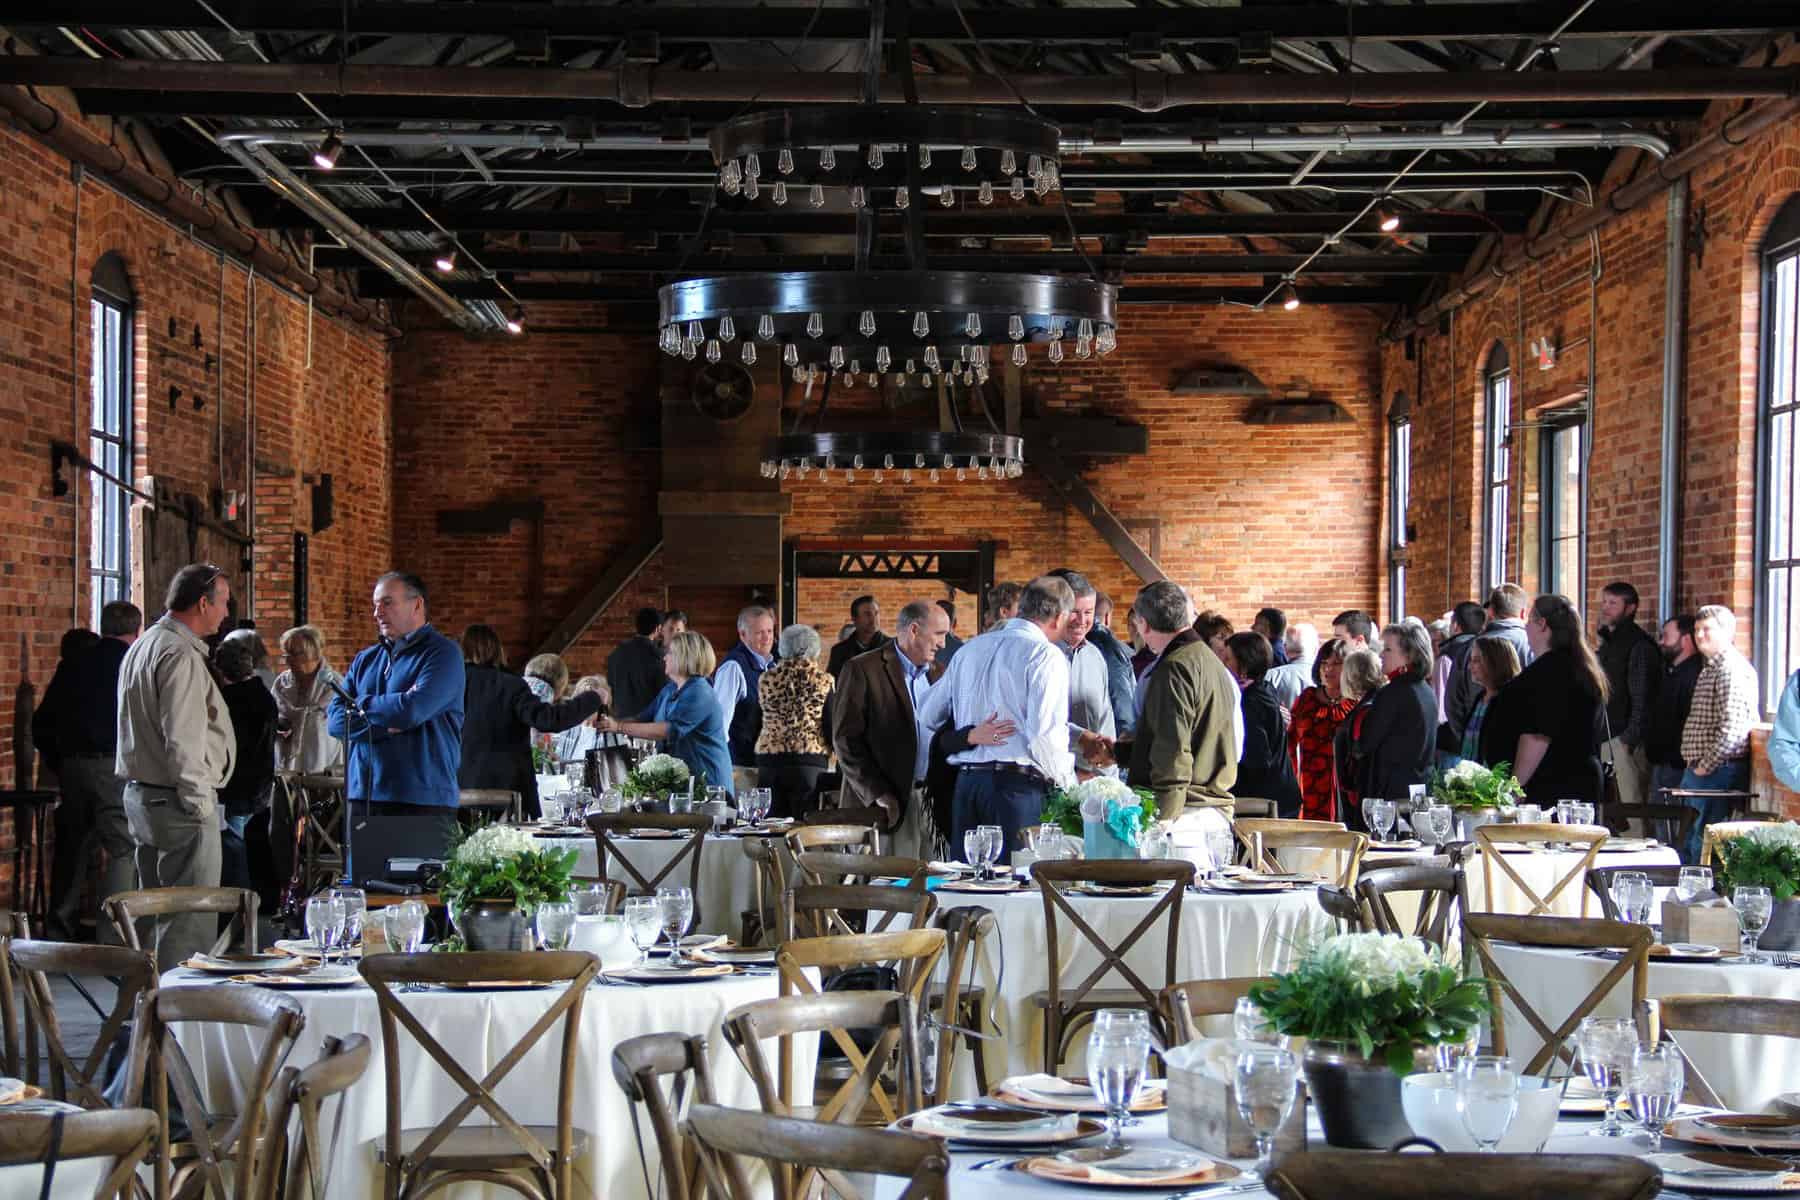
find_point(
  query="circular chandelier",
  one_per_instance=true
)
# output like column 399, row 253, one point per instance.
column 904, row 455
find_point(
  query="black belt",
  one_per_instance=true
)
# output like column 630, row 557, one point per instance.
column 1009, row 768
column 161, row 787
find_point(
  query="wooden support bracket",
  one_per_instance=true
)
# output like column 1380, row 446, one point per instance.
column 1069, row 484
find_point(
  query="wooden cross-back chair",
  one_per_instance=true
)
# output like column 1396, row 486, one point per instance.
column 1067, row 1008
column 216, row 1139
column 132, row 972
column 1720, row 831
column 832, row 1152
column 1273, row 845
column 1482, row 930
column 1676, row 821
column 610, row 828
column 831, row 910
column 1600, row 883
column 126, row 909
column 420, row 1160
column 957, row 1009
column 850, row 866
column 1328, row 1174
column 1184, row 1004
column 1439, row 898
column 1538, row 838
column 1748, row 1016
column 657, row 1070
column 18, row 1041
column 1342, row 906
column 124, row 1135
column 860, row 1095
column 300, row 1097
column 837, row 836
column 487, row 805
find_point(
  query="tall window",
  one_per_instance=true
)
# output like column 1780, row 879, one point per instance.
column 109, row 436
column 1563, row 511
column 1495, row 505
column 1399, row 499
column 1778, row 532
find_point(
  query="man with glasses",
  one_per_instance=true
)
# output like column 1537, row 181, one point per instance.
column 175, row 751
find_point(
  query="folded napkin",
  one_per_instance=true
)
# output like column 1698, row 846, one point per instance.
column 1211, row 1057
column 14, row 1090
column 1051, row 1168
column 939, row 1124
column 1066, row 1095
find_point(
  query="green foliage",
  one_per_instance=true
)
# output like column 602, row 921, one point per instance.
column 543, row 756
column 527, row 879
column 1769, row 858
column 1471, row 785
column 657, row 776
column 1062, row 809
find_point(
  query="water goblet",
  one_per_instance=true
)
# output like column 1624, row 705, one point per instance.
column 643, row 921
column 1441, row 818
column 325, row 924
column 1263, row 1079
column 1383, row 814
column 1691, row 882
column 1754, row 906
column 677, row 914
column 1154, row 843
column 992, row 844
column 1633, row 895
column 1117, row 1057
column 1654, row 1081
column 1487, row 1096
column 1368, row 812
column 973, row 840
column 1249, row 1023
column 589, row 899
column 1605, row 1045
column 554, row 922
column 552, row 808
column 356, row 908
column 405, row 927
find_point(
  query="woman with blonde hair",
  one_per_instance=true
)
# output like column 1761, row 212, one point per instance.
column 1361, row 681
column 1393, row 747
column 547, row 675
column 573, row 745
column 685, row 715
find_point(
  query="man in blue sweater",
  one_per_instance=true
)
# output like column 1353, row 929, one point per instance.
column 404, row 758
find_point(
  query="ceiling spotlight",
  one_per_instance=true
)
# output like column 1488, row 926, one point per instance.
column 1290, row 299
column 326, row 156
column 1386, row 219
column 446, row 260
column 515, row 320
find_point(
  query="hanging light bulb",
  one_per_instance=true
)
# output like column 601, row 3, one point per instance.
column 752, row 166
column 669, row 341
column 1084, row 347
column 1041, row 185
column 325, row 156
column 878, row 477
column 972, row 325
column 1034, row 167
column 805, row 466
column 828, row 158
column 906, row 475
column 729, row 180
column 1387, row 220
column 784, row 468
column 690, row 349
column 883, row 360
column 1017, row 188
column 865, row 324
column 855, row 367
column 446, row 260
column 1108, row 339
column 968, row 158
column 695, row 331
column 921, row 325
column 748, row 353
column 733, row 173
column 790, row 354
column 873, row 380
column 856, row 462
column 831, row 462
column 815, row 326
column 858, row 198
column 902, row 198
column 784, row 162
column 932, row 475
column 816, row 196
column 803, row 375
column 1056, row 351
column 931, row 359
column 924, row 157
column 959, row 475
column 780, row 192
column 712, row 350
column 981, row 472
column 837, row 358
column 877, row 159
column 850, row 476
column 946, row 196
column 1018, row 354
column 1009, row 163
column 981, row 372
column 1015, row 327
column 727, row 329
column 1290, row 299
column 985, row 193
column 911, row 366
column 1084, row 329
column 751, row 190
column 924, row 379
column 765, row 328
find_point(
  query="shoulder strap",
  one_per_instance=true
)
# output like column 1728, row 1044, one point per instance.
column 52, row 1153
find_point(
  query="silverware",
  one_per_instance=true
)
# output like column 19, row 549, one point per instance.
column 1248, row 1183
column 996, row 1164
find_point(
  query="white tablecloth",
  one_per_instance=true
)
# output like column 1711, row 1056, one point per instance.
column 1539, row 868
column 1746, row 1072
column 75, row 1179
column 479, row 1028
column 727, row 874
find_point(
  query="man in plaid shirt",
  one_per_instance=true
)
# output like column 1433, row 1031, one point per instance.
column 1716, row 739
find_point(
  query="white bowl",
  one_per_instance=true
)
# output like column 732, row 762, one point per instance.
column 1429, row 1101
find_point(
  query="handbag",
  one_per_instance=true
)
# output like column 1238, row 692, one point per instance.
column 1609, row 770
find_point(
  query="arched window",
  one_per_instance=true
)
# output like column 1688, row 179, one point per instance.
column 1778, row 465
column 110, row 435
column 1399, row 499
column 1497, row 461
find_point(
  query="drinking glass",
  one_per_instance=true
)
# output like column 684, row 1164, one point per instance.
column 1530, row 814
column 993, row 842
column 1562, row 812
column 1581, row 813
column 555, row 921
column 1654, row 1081
column 405, row 927
column 1263, row 1078
column 643, row 920
column 1606, row 1045
column 1249, row 1023
column 1222, row 846
column 1049, row 845
column 1691, row 882
column 681, row 802
column 721, row 815
column 1368, row 812
column 677, row 914
column 589, row 898
column 575, row 771
column 1117, row 1055
column 1753, row 904
column 552, row 808
column 1154, row 843
column 325, row 924
column 356, row 908
column 973, row 841
column 1633, row 895
column 1383, row 815
column 612, row 801
column 1487, row 1096
column 1441, row 819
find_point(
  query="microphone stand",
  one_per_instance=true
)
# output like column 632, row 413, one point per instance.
column 353, row 708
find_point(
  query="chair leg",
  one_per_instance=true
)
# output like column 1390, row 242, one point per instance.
column 971, row 1018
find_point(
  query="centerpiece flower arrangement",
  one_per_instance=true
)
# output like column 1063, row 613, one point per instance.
column 655, row 777
column 1120, row 811
column 1470, row 785
column 543, row 754
column 1766, row 855
column 494, row 880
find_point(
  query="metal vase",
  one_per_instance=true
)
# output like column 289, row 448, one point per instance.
column 492, row 925
column 1357, row 1098
column 1783, row 932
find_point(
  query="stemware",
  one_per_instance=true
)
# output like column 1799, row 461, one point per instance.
column 643, row 921
column 1154, row 843
column 1691, row 882
column 677, row 905
column 1383, row 817
column 1249, row 1023
column 1487, row 1096
column 1263, row 1078
column 1118, row 1053
column 1606, row 1044
column 1441, row 818
column 681, row 802
column 356, row 909
column 325, row 924
column 1654, row 1081
column 611, row 801
column 1754, row 905
column 973, row 841
column 993, row 842
column 589, row 899
column 554, row 922
column 1368, row 812
column 552, row 809
column 1221, row 846
column 1633, row 895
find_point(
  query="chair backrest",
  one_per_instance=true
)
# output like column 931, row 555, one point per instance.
column 828, row 910
column 300, row 1097
column 866, row 838
column 1539, row 838
column 1720, row 831
column 126, row 909
column 1600, row 881
column 769, row 883
column 493, row 803
column 1264, row 839
column 1754, row 1016
column 849, row 866
column 1436, row 920
column 1680, row 819
column 833, row 1151
column 967, row 929
column 124, row 1135
column 657, row 1071
column 609, row 828
column 132, row 972
column 893, row 1017
column 1342, row 906
column 1482, row 930
column 1053, row 880
column 1328, row 1174
column 18, row 1041
column 159, row 1063
column 1183, row 1004
column 574, row 968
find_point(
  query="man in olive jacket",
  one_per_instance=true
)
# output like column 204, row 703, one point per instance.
column 1185, row 751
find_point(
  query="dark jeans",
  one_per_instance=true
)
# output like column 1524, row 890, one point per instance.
column 792, row 780
column 1732, row 775
column 1004, row 798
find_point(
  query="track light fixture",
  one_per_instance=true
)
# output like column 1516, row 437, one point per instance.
column 1387, row 219
column 446, row 260
column 1290, row 299
column 515, row 320
column 326, row 156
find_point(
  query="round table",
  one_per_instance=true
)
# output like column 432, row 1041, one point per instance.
column 1746, row 1072
column 479, row 1028
column 727, row 874
column 1539, row 868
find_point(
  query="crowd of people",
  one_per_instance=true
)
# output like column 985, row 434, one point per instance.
column 181, row 753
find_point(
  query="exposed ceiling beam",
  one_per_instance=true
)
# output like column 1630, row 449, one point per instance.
column 382, row 286
column 1145, row 91
column 1135, row 264
column 1110, row 25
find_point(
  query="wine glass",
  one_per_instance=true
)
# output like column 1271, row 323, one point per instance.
column 643, row 921
column 554, row 922
column 1221, row 846
column 1383, row 815
column 404, row 925
column 677, row 914
column 552, row 809
column 1368, row 812
column 589, row 899
column 1249, row 1023
column 1263, row 1078
column 1606, row 1044
column 1441, row 817
column 356, row 909
column 1654, row 1081
column 1754, row 905
column 1487, row 1096
column 993, row 842
column 1118, row 1053
column 973, row 840
column 1691, row 882
column 325, row 924
column 1632, row 895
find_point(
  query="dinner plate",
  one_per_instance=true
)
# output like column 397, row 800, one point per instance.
column 653, row 835
column 1249, row 887
column 1098, row 889
column 1745, row 1130
column 998, row 887
column 501, row 985
column 664, row 973
column 740, row 955
column 994, row 1125
column 1074, row 1095
column 307, row 948
column 1406, row 844
column 1628, row 845
column 1725, row 1174
column 1138, row 1167
column 238, row 964
column 324, row 977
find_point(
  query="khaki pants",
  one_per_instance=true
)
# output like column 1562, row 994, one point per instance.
column 1633, row 770
column 185, row 845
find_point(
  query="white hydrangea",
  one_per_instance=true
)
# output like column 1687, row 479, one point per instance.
column 1773, row 834
column 1103, row 788
column 1468, row 770
column 491, row 843
column 1376, row 962
column 663, row 764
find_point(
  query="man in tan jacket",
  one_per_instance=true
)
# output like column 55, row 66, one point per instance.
column 176, row 747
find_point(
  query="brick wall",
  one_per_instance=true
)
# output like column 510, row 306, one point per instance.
column 331, row 415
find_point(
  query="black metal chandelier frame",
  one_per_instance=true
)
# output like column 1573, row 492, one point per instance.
column 906, row 456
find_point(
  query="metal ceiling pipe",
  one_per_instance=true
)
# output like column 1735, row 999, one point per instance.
column 180, row 206
column 1145, row 91
column 1708, row 148
column 1668, row 507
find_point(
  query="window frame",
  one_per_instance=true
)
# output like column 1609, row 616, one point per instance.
column 1555, row 424
column 111, row 333
column 1399, row 502
column 1774, row 649
column 1496, row 494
